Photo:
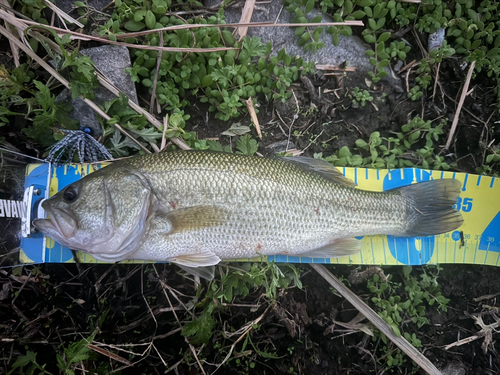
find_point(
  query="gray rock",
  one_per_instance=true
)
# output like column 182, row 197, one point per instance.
column 436, row 39
column 350, row 49
column 454, row 368
column 111, row 61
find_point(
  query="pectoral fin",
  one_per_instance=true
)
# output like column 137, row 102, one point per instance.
column 191, row 218
column 338, row 248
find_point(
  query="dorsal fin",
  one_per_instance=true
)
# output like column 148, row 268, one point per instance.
column 322, row 167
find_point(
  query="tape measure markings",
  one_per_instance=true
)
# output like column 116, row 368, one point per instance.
column 464, row 187
column 487, row 251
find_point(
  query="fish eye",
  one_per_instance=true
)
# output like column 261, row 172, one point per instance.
column 70, row 194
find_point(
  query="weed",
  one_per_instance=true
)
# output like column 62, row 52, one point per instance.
column 237, row 284
column 395, row 152
column 402, row 303
column 360, row 97
column 492, row 162
column 73, row 354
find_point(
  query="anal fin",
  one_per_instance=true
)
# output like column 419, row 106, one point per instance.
column 206, row 273
column 203, row 259
column 338, row 248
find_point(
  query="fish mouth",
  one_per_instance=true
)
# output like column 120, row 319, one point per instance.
column 59, row 225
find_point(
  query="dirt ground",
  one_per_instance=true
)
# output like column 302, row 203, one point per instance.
column 136, row 311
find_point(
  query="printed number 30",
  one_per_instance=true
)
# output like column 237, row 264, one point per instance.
column 464, row 204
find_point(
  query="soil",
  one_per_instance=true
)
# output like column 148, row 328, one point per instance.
column 45, row 308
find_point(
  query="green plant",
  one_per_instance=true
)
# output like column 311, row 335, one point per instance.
column 237, row 284
column 397, row 50
column 415, row 92
column 395, row 152
column 38, row 104
column 223, row 79
column 491, row 163
column 400, row 303
column 73, row 354
column 360, row 97
column 27, row 363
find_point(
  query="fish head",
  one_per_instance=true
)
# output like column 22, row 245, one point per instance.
column 104, row 214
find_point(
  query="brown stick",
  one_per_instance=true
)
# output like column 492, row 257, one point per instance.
column 61, row 79
column 253, row 115
column 377, row 321
column 246, row 17
column 460, row 104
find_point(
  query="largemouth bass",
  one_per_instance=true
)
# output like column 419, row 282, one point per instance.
column 196, row 208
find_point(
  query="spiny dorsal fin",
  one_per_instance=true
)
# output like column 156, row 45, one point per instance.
column 322, row 167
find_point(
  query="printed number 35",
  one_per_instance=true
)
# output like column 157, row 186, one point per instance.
column 464, row 204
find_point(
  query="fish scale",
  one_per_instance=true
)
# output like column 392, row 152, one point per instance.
column 197, row 207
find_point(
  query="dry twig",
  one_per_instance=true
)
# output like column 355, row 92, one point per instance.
column 377, row 321
column 246, row 17
column 460, row 104
column 63, row 80
column 253, row 115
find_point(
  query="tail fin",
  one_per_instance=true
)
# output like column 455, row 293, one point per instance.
column 430, row 207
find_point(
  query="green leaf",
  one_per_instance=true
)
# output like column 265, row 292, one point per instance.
column 380, row 23
column 358, row 14
column 383, row 63
column 384, row 37
column 496, row 43
column 361, row 144
column 364, row 3
column 134, row 26
column 396, row 330
column 344, row 152
column 139, row 15
column 309, row 6
column 207, row 81
column 372, row 24
column 348, row 6
column 200, row 329
column 246, row 145
column 228, row 37
column 150, row 19
column 370, row 38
